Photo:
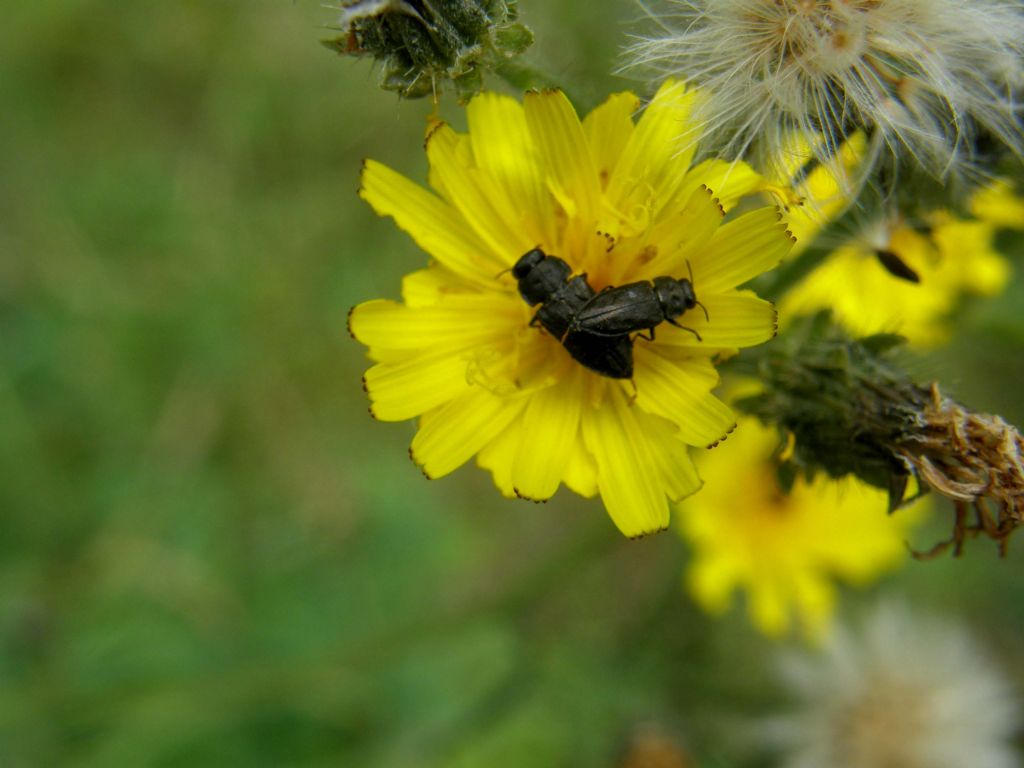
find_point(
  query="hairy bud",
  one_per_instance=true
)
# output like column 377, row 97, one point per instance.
column 422, row 43
column 852, row 410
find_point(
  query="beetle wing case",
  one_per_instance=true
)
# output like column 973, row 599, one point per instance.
column 628, row 308
column 557, row 312
column 609, row 356
column 540, row 276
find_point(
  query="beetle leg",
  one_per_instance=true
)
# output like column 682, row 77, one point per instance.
column 535, row 322
column 632, row 398
column 646, row 338
column 691, row 330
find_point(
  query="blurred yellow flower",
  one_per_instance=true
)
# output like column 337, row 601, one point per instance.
column 619, row 202
column 892, row 276
column 785, row 550
column 999, row 204
column 821, row 191
column 895, row 278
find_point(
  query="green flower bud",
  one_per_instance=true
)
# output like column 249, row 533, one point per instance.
column 850, row 408
column 422, row 43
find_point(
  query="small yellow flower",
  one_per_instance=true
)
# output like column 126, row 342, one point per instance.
column 784, row 549
column 618, row 201
column 897, row 279
column 892, row 277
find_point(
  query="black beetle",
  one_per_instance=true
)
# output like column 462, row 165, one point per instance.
column 896, row 266
column 611, row 356
column 637, row 307
column 546, row 280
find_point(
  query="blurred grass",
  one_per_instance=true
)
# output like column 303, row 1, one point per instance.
column 210, row 554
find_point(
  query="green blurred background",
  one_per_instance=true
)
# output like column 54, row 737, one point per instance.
column 209, row 553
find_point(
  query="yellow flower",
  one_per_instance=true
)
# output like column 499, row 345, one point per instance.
column 895, row 278
column 892, row 276
column 784, row 550
column 619, row 202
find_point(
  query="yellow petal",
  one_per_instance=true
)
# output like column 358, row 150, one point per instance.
column 483, row 203
column 827, row 190
column 999, row 205
column 504, row 150
column 580, row 475
column 712, row 581
column 426, row 287
column 679, row 477
column 659, row 152
column 680, row 238
column 435, row 226
column 460, row 321
column 402, row 391
column 460, row 148
column 549, row 426
column 795, row 150
column 805, row 222
column 740, row 250
column 768, row 608
column 729, row 181
column 628, row 478
column 565, row 154
column 608, row 128
column 497, row 457
column 736, row 319
column 815, row 599
column 449, row 436
column 969, row 257
column 829, row 186
column 681, row 393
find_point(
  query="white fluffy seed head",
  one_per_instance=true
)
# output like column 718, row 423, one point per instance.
column 904, row 690
column 921, row 77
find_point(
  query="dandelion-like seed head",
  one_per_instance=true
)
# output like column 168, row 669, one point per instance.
column 618, row 203
column 902, row 690
column 921, row 77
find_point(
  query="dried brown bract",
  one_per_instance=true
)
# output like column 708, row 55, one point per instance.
column 974, row 459
column 852, row 409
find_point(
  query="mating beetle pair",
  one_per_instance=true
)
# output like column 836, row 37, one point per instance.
column 595, row 327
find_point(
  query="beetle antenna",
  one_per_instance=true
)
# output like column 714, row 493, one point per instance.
column 706, row 317
column 690, row 270
column 503, row 272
